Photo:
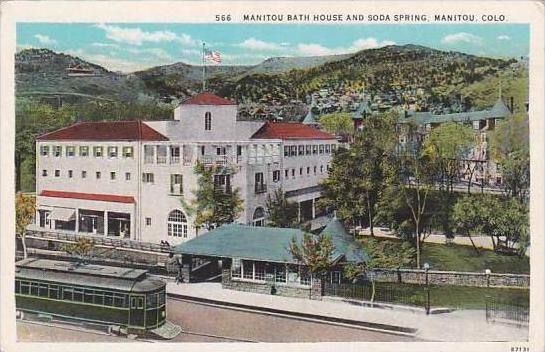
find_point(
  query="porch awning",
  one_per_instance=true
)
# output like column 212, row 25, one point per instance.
column 62, row 214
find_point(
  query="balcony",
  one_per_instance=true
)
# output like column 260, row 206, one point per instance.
column 260, row 188
column 223, row 160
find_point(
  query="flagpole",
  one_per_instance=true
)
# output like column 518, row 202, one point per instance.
column 203, row 69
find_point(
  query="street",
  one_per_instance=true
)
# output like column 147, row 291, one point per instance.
column 204, row 323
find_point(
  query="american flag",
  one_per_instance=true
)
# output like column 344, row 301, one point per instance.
column 212, row 56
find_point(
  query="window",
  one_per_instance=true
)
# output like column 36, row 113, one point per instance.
column 286, row 173
column 221, row 151
column 276, row 175
column 223, row 182
column 67, row 293
column 236, row 268
column 84, row 174
column 44, row 150
column 108, row 299
column 44, row 173
column 203, row 150
column 301, row 150
column 54, row 291
column 308, row 149
column 176, row 184
column 321, row 169
column 293, row 173
column 333, row 147
column 17, row 286
column 83, row 151
column 112, row 175
column 259, row 217
column 147, row 177
column 97, row 152
column 308, row 170
column 25, row 288
column 78, row 294
column 247, row 269
column 174, row 154
column 260, row 186
column 300, row 171
column 98, row 175
column 207, row 121
column 112, row 152
column 327, row 148
column 70, row 173
column 321, row 148
column 161, row 154
column 286, row 151
column 148, row 221
column 127, row 152
column 280, row 273
column 43, row 288
column 57, row 173
column 149, row 154
column 314, row 170
column 57, row 150
column 127, row 176
column 177, row 224
column 314, row 149
column 293, row 150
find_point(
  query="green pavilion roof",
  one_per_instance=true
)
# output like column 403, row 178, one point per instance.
column 269, row 244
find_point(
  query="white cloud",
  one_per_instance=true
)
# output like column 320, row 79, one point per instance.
column 114, row 63
column 137, row 36
column 503, row 37
column 461, row 37
column 312, row 49
column 105, row 45
column 156, row 52
column 256, row 44
column 44, row 39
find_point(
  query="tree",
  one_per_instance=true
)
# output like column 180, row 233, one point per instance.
column 81, row 249
column 468, row 214
column 281, row 212
column 338, row 123
column 357, row 177
column 389, row 254
column 511, row 148
column 314, row 252
column 25, row 210
column 215, row 202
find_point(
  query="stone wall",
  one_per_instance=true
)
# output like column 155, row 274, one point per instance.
column 457, row 278
column 266, row 288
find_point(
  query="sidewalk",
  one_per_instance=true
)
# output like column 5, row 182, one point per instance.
column 466, row 325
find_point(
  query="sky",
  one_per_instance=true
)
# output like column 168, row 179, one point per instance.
column 130, row 47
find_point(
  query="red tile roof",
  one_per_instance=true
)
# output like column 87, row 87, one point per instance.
column 207, row 98
column 106, row 131
column 88, row 196
column 290, row 130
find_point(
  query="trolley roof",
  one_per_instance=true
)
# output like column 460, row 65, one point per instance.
column 118, row 278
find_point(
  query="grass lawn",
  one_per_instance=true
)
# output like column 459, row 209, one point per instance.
column 461, row 297
column 464, row 258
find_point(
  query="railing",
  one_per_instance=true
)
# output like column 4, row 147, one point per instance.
column 63, row 235
column 216, row 159
column 506, row 312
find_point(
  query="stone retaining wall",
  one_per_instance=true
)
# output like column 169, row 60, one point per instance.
column 457, row 278
column 268, row 288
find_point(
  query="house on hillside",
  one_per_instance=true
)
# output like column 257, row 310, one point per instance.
column 134, row 179
column 257, row 259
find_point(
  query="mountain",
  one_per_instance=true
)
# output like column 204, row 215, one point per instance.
column 394, row 71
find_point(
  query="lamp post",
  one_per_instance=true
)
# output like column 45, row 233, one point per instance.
column 487, row 273
column 427, row 289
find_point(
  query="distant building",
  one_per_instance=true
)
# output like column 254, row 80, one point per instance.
column 134, row 179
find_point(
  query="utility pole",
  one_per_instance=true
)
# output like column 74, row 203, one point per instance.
column 203, row 68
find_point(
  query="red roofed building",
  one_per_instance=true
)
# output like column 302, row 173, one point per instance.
column 130, row 178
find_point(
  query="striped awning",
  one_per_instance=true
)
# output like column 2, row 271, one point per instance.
column 62, row 214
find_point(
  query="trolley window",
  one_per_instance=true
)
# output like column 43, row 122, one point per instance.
column 25, row 287
column 108, row 299
column 78, row 295
column 67, row 293
column 54, row 291
column 43, row 290
column 34, row 288
column 17, row 286
column 152, row 300
column 99, row 297
column 88, row 296
column 161, row 298
column 140, row 303
column 119, row 300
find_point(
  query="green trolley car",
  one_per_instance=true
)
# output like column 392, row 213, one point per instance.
column 104, row 295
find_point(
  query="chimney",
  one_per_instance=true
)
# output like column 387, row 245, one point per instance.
column 511, row 104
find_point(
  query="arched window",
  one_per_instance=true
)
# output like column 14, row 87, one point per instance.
column 259, row 217
column 207, row 121
column 177, row 224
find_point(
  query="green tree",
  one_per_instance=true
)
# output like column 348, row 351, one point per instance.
column 468, row 214
column 511, row 148
column 25, row 210
column 356, row 180
column 214, row 204
column 281, row 212
column 338, row 123
column 314, row 252
column 81, row 249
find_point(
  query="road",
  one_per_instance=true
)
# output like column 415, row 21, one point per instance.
column 205, row 323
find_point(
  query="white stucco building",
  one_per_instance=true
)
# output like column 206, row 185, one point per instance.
column 131, row 179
